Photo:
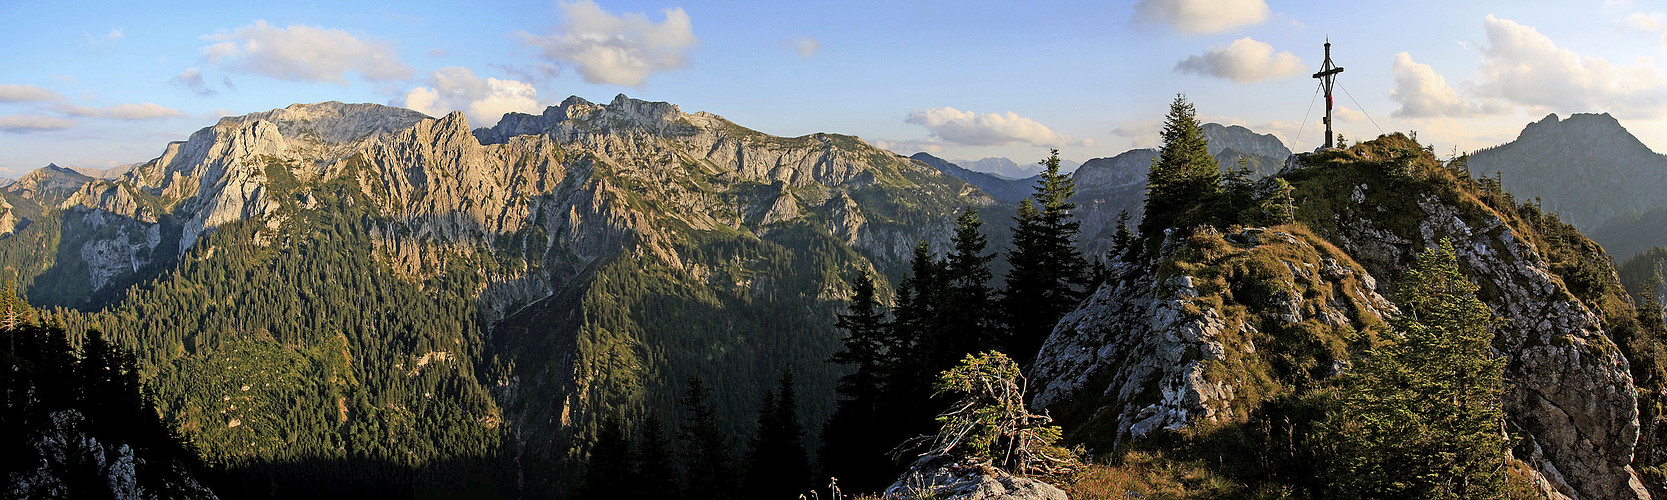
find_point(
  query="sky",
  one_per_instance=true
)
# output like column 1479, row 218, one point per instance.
column 111, row 83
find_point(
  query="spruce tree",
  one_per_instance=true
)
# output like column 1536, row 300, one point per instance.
column 914, row 328
column 1421, row 417
column 1048, row 275
column 968, row 324
column 777, row 465
column 852, row 449
column 865, row 343
column 1122, row 241
column 608, row 472
column 655, row 472
column 1183, row 177
column 708, row 466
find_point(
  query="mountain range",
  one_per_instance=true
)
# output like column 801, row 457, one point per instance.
column 580, row 262
column 356, row 298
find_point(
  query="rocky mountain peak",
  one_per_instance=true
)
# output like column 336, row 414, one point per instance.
column 332, row 122
column 49, row 184
column 1579, row 127
column 1244, row 140
column 1587, row 168
column 576, row 113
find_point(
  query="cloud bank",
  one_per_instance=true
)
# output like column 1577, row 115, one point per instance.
column 23, row 124
column 986, row 129
column 146, row 111
column 483, row 101
column 27, row 93
column 616, row 49
column 1244, row 61
column 304, row 53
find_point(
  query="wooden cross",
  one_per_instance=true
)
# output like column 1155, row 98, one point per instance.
column 1328, row 76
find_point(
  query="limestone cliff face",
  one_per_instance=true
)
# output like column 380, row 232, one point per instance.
column 657, row 146
column 1184, row 337
column 572, row 182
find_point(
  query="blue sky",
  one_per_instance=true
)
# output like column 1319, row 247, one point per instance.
column 112, row 83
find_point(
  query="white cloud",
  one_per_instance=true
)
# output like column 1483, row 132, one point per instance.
column 112, row 36
column 192, row 79
column 484, row 102
column 146, row 111
column 1245, row 61
column 987, row 129
column 1424, row 93
column 23, row 124
column 1196, row 17
column 1523, row 66
column 1648, row 23
column 908, row 148
column 805, row 46
column 1350, row 115
column 617, row 50
column 27, row 93
column 304, row 53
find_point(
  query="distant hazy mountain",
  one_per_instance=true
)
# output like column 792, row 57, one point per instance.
column 1008, row 169
column 49, row 184
column 1001, row 188
column 1587, row 169
column 1244, row 140
column 105, row 173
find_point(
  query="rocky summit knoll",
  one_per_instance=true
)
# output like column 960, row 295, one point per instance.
column 1221, row 333
column 516, row 281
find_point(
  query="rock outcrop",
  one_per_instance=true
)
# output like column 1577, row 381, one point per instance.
column 954, row 481
column 1185, row 337
column 1179, row 345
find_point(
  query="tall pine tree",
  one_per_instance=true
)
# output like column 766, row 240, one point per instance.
column 1184, row 178
column 1422, row 417
column 656, row 474
column 608, row 473
column 852, row 449
column 967, row 323
column 708, row 466
column 1048, row 275
column 777, row 466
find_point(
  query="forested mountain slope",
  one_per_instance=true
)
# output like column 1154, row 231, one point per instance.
column 349, row 296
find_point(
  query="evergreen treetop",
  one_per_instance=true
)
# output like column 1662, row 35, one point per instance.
column 1048, row 276
column 1183, row 176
